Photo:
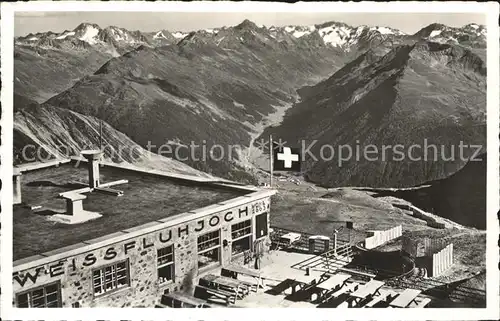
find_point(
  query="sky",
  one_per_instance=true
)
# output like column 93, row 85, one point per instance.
column 32, row 22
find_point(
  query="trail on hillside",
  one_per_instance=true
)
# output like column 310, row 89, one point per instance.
column 255, row 158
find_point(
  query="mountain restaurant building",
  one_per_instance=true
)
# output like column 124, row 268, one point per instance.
column 126, row 236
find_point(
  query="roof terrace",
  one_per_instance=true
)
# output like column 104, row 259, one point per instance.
column 146, row 198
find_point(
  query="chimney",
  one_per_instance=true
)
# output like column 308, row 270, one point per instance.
column 74, row 203
column 93, row 157
column 16, row 186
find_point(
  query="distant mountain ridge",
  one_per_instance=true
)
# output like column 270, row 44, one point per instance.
column 333, row 33
column 67, row 56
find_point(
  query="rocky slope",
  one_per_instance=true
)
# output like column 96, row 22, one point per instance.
column 421, row 94
column 43, row 133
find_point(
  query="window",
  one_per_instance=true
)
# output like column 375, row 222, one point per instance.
column 242, row 229
column 165, row 263
column 47, row 296
column 111, row 277
column 241, row 234
column 261, row 225
column 208, row 249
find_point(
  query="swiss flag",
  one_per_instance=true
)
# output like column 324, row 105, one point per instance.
column 286, row 159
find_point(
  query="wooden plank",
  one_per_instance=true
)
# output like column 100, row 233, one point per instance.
column 334, row 281
column 405, row 298
column 221, row 294
column 242, row 270
column 186, row 298
column 369, row 288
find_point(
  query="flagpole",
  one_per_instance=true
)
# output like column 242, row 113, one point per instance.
column 100, row 134
column 271, row 155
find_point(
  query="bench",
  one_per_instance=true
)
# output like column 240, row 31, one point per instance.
column 334, row 302
column 243, row 287
column 223, row 283
column 405, row 298
column 209, row 293
column 182, row 300
column 232, row 271
column 375, row 300
column 282, row 287
column 423, row 303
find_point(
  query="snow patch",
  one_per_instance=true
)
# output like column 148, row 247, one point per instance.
column 63, row 36
column 435, row 33
column 359, row 31
column 385, row 30
column 289, row 29
column 90, row 33
column 159, row 34
column 119, row 35
column 218, row 42
column 32, row 39
column 237, row 104
column 334, row 36
column 298, row 34
column 209, row 30
column 474, row 26
column 179, row 34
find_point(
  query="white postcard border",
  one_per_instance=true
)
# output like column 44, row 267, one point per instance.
column 491, row 9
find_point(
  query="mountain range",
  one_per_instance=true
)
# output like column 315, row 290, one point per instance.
column 66, row 56
column 337, row 83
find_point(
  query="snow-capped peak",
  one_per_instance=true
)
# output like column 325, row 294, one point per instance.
column 299, row 31
column 472, row 34
column 87, row 32
column 387, row 31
